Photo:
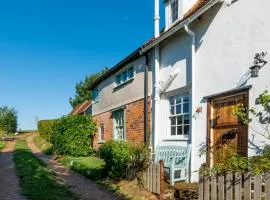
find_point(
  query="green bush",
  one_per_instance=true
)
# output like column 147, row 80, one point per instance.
column 73, row 135
column 46, row 129
column 117, row 155
column 8, row 120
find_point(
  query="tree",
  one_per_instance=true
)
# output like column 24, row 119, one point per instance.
column 82, row 92
column 8, row 120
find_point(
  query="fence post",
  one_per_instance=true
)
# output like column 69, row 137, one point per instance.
column 221, row 191
column 257, row 187
column 201, row 186
column 229, row 186
column 247, row 186
column 161, row 166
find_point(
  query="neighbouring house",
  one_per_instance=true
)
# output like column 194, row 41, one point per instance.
column 198, row 69
column 118, row 103
column 84, row 108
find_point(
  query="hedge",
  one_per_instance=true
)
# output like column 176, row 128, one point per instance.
column 119, row 156
column 73, row 135
column 46, row 129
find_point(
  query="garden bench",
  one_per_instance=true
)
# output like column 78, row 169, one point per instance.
column 176, row 158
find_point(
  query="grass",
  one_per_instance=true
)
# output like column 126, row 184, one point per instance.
column 90, row 167
column 37, row 182
column 43, row 145
column 2, row 145
column 93, row 168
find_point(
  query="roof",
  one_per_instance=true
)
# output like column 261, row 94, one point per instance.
column 81, row 108
column 138, row 52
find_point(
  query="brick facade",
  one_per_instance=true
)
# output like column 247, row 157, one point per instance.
column 134, row 124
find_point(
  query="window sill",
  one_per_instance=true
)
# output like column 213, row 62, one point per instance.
column 101, row 142
column 122, row 84
column 177, row 139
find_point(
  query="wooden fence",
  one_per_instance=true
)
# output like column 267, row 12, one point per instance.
column 235, row 186
column 152, row 178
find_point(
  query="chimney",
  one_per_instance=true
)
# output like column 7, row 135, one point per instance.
column 157, row 18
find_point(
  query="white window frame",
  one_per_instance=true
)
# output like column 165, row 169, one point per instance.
column 124, row 124
column 168, row 12
column 99, row 133
column 121, row 73
column 178, row 137
column 171, row 12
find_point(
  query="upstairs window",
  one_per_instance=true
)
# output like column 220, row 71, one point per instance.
column 95, row 95
column 179, row 115
column 124, row 76
column 174, row 11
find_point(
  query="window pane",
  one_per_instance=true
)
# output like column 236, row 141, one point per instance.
column 172, row 101
column 130, row 73
column 186, row 129
column 179, row 120
column 186, row 107
column 179, row 130
column 173, row 121
column 186, row 119
column 124, row 76
column 118, row 79
column 178, row 99
column 173, row 130
column 178, row 109
column 186, row 99
column 172, row 110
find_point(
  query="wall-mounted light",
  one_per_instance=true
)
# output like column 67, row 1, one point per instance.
column 259, row 62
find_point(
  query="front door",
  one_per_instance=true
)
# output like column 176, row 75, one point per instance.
column 227, row 134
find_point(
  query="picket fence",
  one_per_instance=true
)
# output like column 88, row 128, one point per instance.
column 235, row 186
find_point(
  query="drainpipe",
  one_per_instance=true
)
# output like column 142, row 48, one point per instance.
column 193, row 66
column 156, row 98
column 146, row 134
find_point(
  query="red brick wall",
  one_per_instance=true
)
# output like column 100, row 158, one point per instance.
column 134, row 115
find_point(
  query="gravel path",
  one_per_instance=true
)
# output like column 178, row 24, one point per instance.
column 84, row 188
column 9, row 187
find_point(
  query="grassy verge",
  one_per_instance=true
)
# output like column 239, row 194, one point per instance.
column 93, row 168
column 43, row 145
column 37, row 182
column 2, row 145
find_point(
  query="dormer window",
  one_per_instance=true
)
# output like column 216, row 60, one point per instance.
column 174, row 10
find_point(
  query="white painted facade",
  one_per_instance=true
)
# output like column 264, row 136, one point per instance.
column 112, row 96
column 227, row 38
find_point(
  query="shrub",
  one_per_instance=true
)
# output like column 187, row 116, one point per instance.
column 8, row 120
column 46, row 129
column 117, row 155
column 73, row 135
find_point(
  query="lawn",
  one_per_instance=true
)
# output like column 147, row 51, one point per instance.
column 2, row 145
column 43, row 145
column 91, row 167
column 37, row 182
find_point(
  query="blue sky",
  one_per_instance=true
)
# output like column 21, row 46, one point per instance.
column 48, row 46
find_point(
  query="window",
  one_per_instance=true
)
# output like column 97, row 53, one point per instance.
column 101, row 133
column 95, row 95
column 124, row 76
column 179, row 115
column 119, row 125
column 174, row 11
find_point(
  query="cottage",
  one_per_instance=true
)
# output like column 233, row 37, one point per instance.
column 189, row 77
